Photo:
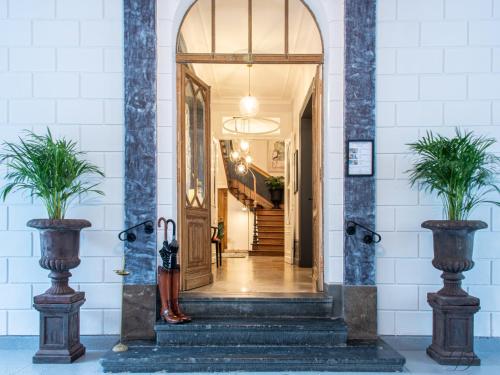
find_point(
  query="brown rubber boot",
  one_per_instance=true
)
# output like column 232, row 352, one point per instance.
column 176, row 278
column 165, row 287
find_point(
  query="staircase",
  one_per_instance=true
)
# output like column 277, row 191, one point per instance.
column 269, row 225
column 277, row 333
column 270, row 228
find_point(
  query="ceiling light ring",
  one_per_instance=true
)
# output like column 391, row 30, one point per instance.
column 275, row 125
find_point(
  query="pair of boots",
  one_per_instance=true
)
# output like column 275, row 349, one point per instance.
column 168, row 284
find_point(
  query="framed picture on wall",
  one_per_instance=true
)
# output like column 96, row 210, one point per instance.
column 360, row 158
column 276, row 156
column 296, row 171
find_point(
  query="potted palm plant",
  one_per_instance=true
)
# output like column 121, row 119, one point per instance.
column 53, row 171
column 462, row 172
column 276, row 184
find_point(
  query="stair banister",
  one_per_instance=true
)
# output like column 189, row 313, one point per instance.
column 255, row 238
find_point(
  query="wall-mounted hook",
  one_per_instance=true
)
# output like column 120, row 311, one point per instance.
column 369, row 237
column 129, row 236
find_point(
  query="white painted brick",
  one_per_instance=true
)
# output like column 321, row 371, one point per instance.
column 3, row 111
column 20, row 215
column 392, row 88
column 496, row 113
column 495, row 324
column 113, row 9
column 103, row 296
column 467, row 113
column 102, row 33
column 166, row 139
column 113, row 112
column 109, row 138
column 32, row 111
column 110, row 265
column 31, row 9
column 335, row 269
column 115, row 164
column 385, row 114
column 482, row 324
column 385, row 166
column 420, row 60
column 495, row 219
column 484, row 33
column 166, row 9
column 79, row 59
column 467, row 60
column 419, row 113
column 335, row 243
column 60, row 131
column 15, row 243
column 100, row 244
column 425, row 245
column 165, row 113
column 165, row 165
column 113, row 60
column 80, row 111
column 79, row 9
column 384, row 218
column 397, row 297
column 423, row 305
column 3, row 218
column 395, row 193
column 450, row 33
column 113, row 189
column 56, row 85
column 398, row 245
column 420, row 10
column 385, row 322
column 105, row 85
column 90, row 270
column 413, row 323
column 496, row 8
column 15, row 296
column 32, row 59
column 94, row 214
column 395, row 140
column 166, row 58
column 334, row 28
column 112, row 321
column 335, row 57
column 450, row 87
column 91, row 322
column 26, row 270
column 409, row 218
column 23, row 322
column 397, row 34
column 403, row 164
column 3, row 8
column 166, row 190
column 468, row 9
column 385, row 271
column 15, row 33
column 484, row 86
column 335, row 218
column 4, row 59
column 3, row 270
column 486, row 245
column 15, row 85
column 56, row 33
column 496, row 59
column 335, row 166
column 386, row 60
column 334, row 9
column 495, row 273
column 166, row 210
column 3, row 323
column 489, row 296
column 480, row 274
column 416, row 271
column 335, row 189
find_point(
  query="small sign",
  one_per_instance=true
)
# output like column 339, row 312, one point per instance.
column 360, row 158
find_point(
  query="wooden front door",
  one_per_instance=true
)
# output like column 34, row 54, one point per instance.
column 317, row 164
column 194, row 179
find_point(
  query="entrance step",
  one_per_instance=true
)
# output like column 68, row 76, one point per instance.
column 274, row 331
column 264, row 305
column 266, row 253
column 143, row 357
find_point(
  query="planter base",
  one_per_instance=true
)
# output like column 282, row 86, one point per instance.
column 59, row 328
column 453, row 329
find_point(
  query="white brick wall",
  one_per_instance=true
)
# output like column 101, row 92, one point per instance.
column 436, row 72
column 61, row 66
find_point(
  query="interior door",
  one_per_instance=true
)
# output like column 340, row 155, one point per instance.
column 317, row 163
column 194, row 179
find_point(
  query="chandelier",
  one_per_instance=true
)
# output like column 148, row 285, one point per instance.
column 241, row 157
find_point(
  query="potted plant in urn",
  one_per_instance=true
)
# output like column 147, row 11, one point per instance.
column 462, row 172
column 276, row 184
column 54, row 172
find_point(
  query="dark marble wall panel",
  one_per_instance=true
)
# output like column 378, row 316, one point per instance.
column 359, row 123
column 140, row 138
column 360, row 312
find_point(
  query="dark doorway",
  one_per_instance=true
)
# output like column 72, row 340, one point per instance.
column 305, row 258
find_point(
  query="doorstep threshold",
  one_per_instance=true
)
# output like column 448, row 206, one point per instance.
column 252, row 296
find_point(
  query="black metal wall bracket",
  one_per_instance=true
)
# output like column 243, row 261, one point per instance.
column 129, row 236
column 369, row 236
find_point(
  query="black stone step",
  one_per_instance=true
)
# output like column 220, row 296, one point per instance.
column 253, row 331
column 147, row 357
column 202, row 305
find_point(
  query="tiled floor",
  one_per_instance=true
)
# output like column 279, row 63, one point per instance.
column 261, row 274
column 19, row 362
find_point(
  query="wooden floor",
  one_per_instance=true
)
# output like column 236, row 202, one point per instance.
column 259, row 274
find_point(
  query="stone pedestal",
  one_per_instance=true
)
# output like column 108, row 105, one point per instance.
column 453, row 329
column 59, row 328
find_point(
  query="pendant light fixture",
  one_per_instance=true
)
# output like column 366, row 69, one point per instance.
column 249, row 105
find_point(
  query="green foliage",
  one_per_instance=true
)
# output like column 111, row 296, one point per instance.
column 275, row 182
column 49, row 169
column 459, row 169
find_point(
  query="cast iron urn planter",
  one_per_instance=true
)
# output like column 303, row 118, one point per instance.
column 276, row 197
column 453, row 308
column 59, row 306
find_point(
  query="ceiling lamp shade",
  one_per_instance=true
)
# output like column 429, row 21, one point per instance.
column 244, row 146
column 249, row 106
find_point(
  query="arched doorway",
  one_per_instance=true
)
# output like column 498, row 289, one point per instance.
column 215, row 39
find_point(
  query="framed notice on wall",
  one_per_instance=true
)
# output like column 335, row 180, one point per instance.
column 359, row 158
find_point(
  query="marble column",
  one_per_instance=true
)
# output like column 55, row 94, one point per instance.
column 139, row 290
column 360, row 302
